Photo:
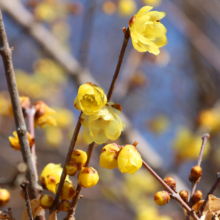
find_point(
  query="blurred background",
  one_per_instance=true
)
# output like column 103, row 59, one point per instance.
column 169, row 101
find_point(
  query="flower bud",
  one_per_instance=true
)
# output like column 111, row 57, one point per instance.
column 195, row 174
column 88, row 177
column 79, row 157
column 108, row 157
column 184, row 195
column 71, row 168
column 64, row 206
column 68, row 191
column 162, row 198
column 171, row 182
column 129, row 159
column 4, row 197
column 197, row 196
column 131, row 21
column 46, row 201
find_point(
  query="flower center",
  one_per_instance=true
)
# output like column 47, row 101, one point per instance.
column 89, row 98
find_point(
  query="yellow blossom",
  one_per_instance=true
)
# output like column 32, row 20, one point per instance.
column 50, row 176
column 108, row 157
column 147, row 33
column 109, row 7
column 129, row 159
column 79, row 157
column 43, row 114
column 68, row 191
column 46, row 201
column 64, row 117
column 90, row 99
column 4, row 197
column 88, row 177
column 54, row 135
column 14, row 141
column 103, row 125
column 127, row 7
column 154, row 3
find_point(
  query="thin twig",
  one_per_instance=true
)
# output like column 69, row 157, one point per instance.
column 6, row 54
column 71, row 212
column 173, row 194
column 217, row 181
column 24, row 187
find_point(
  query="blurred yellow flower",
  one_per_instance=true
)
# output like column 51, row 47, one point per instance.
column 4, row 104
column 53, row 135
column 14, row 141
column 43, row 114
column 109, row 7
column 154, row 3
column 88, row 177
column 50, row 176
column 68, row 191
column 64, row 117
column 4, row 197
column 129, row 159
column 187, row 145
column 158, row 124
column 103, row 125
column 147, row 33
column 25, row 104
column 90, row 99
column 127, row 7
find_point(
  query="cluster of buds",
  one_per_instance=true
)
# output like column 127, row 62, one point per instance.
column 4, row 197
column 126, row 158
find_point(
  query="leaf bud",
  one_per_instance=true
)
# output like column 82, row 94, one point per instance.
column 108, row 157
column 196, row 197
column 195, row 174
column 64, row 206
column 184, row 195
column 68, row 191
column 79, row 157
column 71, row 168
column 46, row 201
column 161, row 198
column 4, row 197
column 88, row 177
column 171, row 182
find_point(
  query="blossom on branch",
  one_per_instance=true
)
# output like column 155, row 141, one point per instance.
column 147, row 33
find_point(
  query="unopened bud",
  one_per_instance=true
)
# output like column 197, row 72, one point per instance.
column 68, row 191
column 46, row 201
column 195, row 174
column 79, row 157
column 4, row 197
column 88, row 177
column 184, row 195
column 197, row 196
column 71, row 168
column 64, row 206
column 171, row 182
column 131, row 21
column 162, row 198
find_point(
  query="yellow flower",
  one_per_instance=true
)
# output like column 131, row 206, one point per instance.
column 68, row 191
column 50, row 176
column 43, row 114
column 79, row 157
column 127, row 7
column 147, row 33
column 129, row 159
column 152, row 2
column 108, row 157
column 4, row 197
column 46, row 201
column 90, row 99
column 103, row 125
column 14, row 141
column 109, row 7
column 64, row 117
column 53, row 135
column 88, row 177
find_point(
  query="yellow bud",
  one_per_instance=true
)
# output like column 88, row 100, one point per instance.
column 197, row 196
column 71, row 168
column 171, row 182
column 46, row 201
column 184, row 195
column 68, row 191
column 195, row 174
column 4, row 197
column 88, row 177
column 79, row 157
column 108, row 157
column 64, row 206
column 129, row 159
column 162, row 198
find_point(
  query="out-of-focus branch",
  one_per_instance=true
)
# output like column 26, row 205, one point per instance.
column 6, row 54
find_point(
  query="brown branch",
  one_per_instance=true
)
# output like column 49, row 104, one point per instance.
column 24, row 187
column 217, row 181
column 174, row 195
column 71, row 212
column 6, row 54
